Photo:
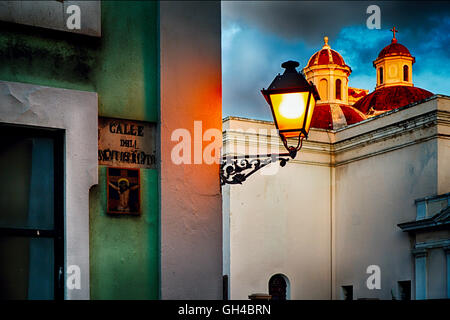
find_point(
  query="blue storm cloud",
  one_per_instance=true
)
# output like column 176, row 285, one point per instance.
column 252, row 54
column 250, row 61
column 360, row 46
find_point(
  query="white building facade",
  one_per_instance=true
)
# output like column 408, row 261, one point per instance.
column 334, row 211
column 363, row 211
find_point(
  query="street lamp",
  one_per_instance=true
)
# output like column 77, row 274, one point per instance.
column 292, row 100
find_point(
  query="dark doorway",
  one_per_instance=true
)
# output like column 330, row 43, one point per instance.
column 31, row 213
column 347, row 292
column 404, row 288
column 277, row 287
column 225, row 287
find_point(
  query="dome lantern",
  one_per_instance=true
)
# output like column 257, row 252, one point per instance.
column 327, row 70
column 394, row 65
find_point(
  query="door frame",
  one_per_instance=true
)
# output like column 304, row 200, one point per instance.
column 58, row 234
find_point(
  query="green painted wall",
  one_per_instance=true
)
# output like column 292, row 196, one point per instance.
column 46, row 57
column 122, row 67
column 124, row 249
column 127, row 76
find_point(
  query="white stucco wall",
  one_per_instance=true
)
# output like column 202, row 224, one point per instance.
column 76, row 113
column 191, row 211
column 331, row 213
column 443, row 131
column 377, row 183
column 373, row 196
column 275, row 226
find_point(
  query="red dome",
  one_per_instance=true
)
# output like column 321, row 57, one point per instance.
column 394, row 49
column 389, row 98
column 326, row 56
column 324, row 118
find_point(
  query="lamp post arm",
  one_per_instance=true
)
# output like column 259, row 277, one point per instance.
column 236, row 169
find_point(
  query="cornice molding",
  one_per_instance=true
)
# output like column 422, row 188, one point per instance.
column 423, row 246
column 428, row 123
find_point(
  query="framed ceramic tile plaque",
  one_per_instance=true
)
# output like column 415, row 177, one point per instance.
column 123, row 191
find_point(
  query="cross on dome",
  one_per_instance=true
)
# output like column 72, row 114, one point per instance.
column 394, row 31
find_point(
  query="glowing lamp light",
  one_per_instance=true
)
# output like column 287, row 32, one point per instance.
column 292, row 105
column 292, row 100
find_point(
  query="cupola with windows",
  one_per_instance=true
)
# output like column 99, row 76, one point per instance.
column 394, row 65
column 329, row 73
column 394, row 87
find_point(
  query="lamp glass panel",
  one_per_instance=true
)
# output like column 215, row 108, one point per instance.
column 289, row 110
column 312, row 105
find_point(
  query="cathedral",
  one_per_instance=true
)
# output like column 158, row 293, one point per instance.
column 341, row 105
column 363, row 211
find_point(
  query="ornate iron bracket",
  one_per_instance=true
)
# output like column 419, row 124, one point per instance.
column 236, row 169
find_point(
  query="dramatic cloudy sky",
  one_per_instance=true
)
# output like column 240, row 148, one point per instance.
column 257, row 36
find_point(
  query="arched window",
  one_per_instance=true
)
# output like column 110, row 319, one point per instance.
column 323, row 89
column 279, row 287
column 338, row 89
column 380, row 72
column 405, row 73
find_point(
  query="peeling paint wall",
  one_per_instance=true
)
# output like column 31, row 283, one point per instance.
column 51, row 58
column 122, row 67
column 76, row 113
